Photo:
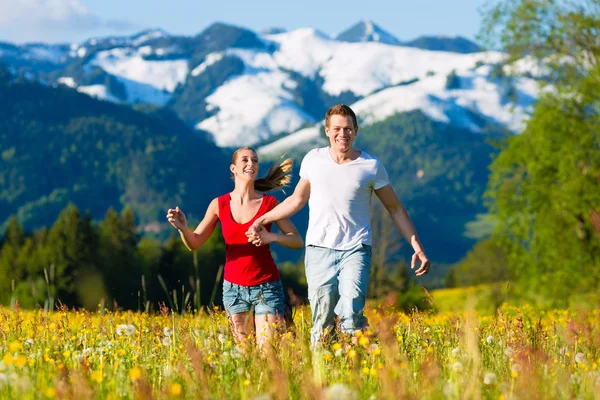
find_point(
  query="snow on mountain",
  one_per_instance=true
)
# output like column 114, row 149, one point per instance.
column 367, row 31
column 363, row 68
column 479, row 96
column 313, row 136
column 254, row 106
column 98, row 91
column 129, row 63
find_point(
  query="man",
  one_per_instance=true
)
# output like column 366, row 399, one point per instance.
column 338, row 182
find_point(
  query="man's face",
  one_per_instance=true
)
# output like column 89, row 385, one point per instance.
column 341, row 132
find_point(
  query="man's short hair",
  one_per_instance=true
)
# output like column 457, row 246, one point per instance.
column 344, row 111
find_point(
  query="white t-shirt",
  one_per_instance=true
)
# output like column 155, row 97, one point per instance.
column 340, row 198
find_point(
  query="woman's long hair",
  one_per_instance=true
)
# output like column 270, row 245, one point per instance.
column 276, row 177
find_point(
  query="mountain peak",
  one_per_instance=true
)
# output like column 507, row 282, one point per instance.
column 455, row 44
column 367, row 31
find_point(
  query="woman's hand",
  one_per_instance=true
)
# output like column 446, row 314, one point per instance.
column 260, row 238
column 177, row 218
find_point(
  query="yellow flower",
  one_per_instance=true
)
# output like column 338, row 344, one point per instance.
column 135, row 373
column 97, row 376
column 514, row 374
column 336, row 347
column 20, row 361
column 50, row 393
column 8, row 359
column 247, row 382
column 352, row 353
column 67, row 354
column 14, row 346
column 365, row 370
column 363, row 341
column 175, row 389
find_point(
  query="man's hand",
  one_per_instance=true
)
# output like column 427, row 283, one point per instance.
column 261, row 238
column 425, row 266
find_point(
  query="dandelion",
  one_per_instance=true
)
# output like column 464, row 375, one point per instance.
column 14, row 346
column 121, row 329
column 489, row 339
column 363, row 341
column 135, row 373
column 455, row 352
column 336, row 347
column 580, row 358
column 129, row 330
column 168, row 332
column 28, row 343
column 175, row 389
column 221, row 338
column 449, row 389
column 489, row 378
column 166, row 341
column 457, row 366
column 340, row 391
column 50, row 393
column 508, row 352
column 352, row 353
column 247, row 382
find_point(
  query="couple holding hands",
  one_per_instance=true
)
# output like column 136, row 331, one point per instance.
column 337, row 182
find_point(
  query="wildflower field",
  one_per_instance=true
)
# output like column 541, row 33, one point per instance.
column 516, row 353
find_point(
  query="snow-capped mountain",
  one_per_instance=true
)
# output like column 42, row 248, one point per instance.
column 476, row 99
column 245, row 88
column 367, row 31
column 455, row 44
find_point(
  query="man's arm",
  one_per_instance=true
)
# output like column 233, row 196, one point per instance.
column 286, row 208
column 405, row 226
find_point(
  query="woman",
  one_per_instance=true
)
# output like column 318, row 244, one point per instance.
column 252, row 291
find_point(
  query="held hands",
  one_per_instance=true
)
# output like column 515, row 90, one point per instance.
column 259, row 237
column 425, row 266
column 177, row 218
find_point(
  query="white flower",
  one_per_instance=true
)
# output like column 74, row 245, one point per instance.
column 236, row 352
column 579, row 358
column 508, row 352
column 130, row 330
column 426, row 330
column 489, row 339
column 339, row 352
column 168, row 332
column 450, row 389
column 167, row 370
column 121, row 329
column 455, row 352
column 28, row 343
column 167, row 341
column 340, row 391
column 489, row 378
column 457, row 366
column 222, row 338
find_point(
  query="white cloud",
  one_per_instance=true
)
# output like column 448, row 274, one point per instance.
column 38, row 19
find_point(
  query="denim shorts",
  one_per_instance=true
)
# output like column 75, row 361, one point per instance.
column 266, row 298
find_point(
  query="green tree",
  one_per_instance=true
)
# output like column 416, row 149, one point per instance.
column 121, row 265
column 543, row 186
column 71, row 252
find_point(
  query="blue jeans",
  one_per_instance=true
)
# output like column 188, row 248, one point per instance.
column 337, row 284
column 266, row 298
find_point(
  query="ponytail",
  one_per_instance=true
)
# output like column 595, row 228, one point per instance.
column 276, row 178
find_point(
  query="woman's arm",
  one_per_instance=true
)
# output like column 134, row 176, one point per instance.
column 205, row 228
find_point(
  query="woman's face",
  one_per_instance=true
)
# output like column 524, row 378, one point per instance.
column 246, row 165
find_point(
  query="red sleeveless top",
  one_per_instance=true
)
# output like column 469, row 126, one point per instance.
column 245, row 263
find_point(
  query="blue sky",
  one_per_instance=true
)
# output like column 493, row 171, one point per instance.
column 76, row 20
